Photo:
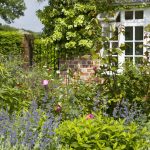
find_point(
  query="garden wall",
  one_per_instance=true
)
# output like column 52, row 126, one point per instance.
column 81, row 68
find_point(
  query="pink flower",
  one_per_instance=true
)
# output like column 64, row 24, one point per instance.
column 89, row 116
column 58, row 108
column 95, row 68
column 45, row 82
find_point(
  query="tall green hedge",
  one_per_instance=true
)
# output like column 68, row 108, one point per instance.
column 10, row 42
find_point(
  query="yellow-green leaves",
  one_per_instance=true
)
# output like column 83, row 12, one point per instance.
column 69, row 35
column 72, row 26
column 57, row 36
column 70, row 44
column 69, row 12
column 79, row 21
column 103, row 133
column 86, row 43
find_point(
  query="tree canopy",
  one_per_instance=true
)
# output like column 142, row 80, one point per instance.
column 11, row 9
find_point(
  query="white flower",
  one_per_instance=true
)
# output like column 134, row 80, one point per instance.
column 45, row 66
column 58, row 72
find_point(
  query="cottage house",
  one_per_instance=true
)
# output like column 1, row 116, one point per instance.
column 131, row 28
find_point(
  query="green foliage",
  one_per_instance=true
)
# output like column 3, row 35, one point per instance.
column 10, row 42
column 44, row 55
column 11, row 97
column 123, row 4
column 7, row 28
column 71, row 27
column 11, row 9
column 7, row 145
column 101, row 133
column 76, row 99
column 19, row 86
column 131, row 83
column 147, row 28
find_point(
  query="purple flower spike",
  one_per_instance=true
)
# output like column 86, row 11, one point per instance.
column 45, row 82
column 90, row 116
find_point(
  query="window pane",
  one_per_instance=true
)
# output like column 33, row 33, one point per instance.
column 118, row 18
column 129, row 59
column 106, row 31
column 114, row 46
column 139, row 33
column 138, row 48
column 115, row 34
column 114, row 61
column 138, row 60
column 129, row 48
column 128, row 33
column 128, row 15
column 138, row 14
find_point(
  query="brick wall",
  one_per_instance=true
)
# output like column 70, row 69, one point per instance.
column 81, row 68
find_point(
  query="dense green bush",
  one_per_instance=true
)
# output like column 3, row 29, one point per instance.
column 102, row 133
column 131, row 84
column 12, row 97
column 76, row 99
column 10, row 42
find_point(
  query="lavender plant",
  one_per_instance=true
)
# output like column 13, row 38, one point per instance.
column 129, row 111
column 33, row 129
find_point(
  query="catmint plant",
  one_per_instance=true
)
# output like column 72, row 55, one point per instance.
column 31, row 128
column 128, row 111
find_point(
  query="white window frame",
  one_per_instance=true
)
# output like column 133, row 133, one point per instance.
column 121, row 35
column 133, row 23
column 134, row 56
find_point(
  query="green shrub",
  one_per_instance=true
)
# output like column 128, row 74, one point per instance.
column 76, row 99
column 13, row 96
column 131, row 84
column 10, row 42
column 19, row 86
column 101, row 133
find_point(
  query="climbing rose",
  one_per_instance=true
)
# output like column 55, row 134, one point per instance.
column 45, row 82
column 90, row 116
